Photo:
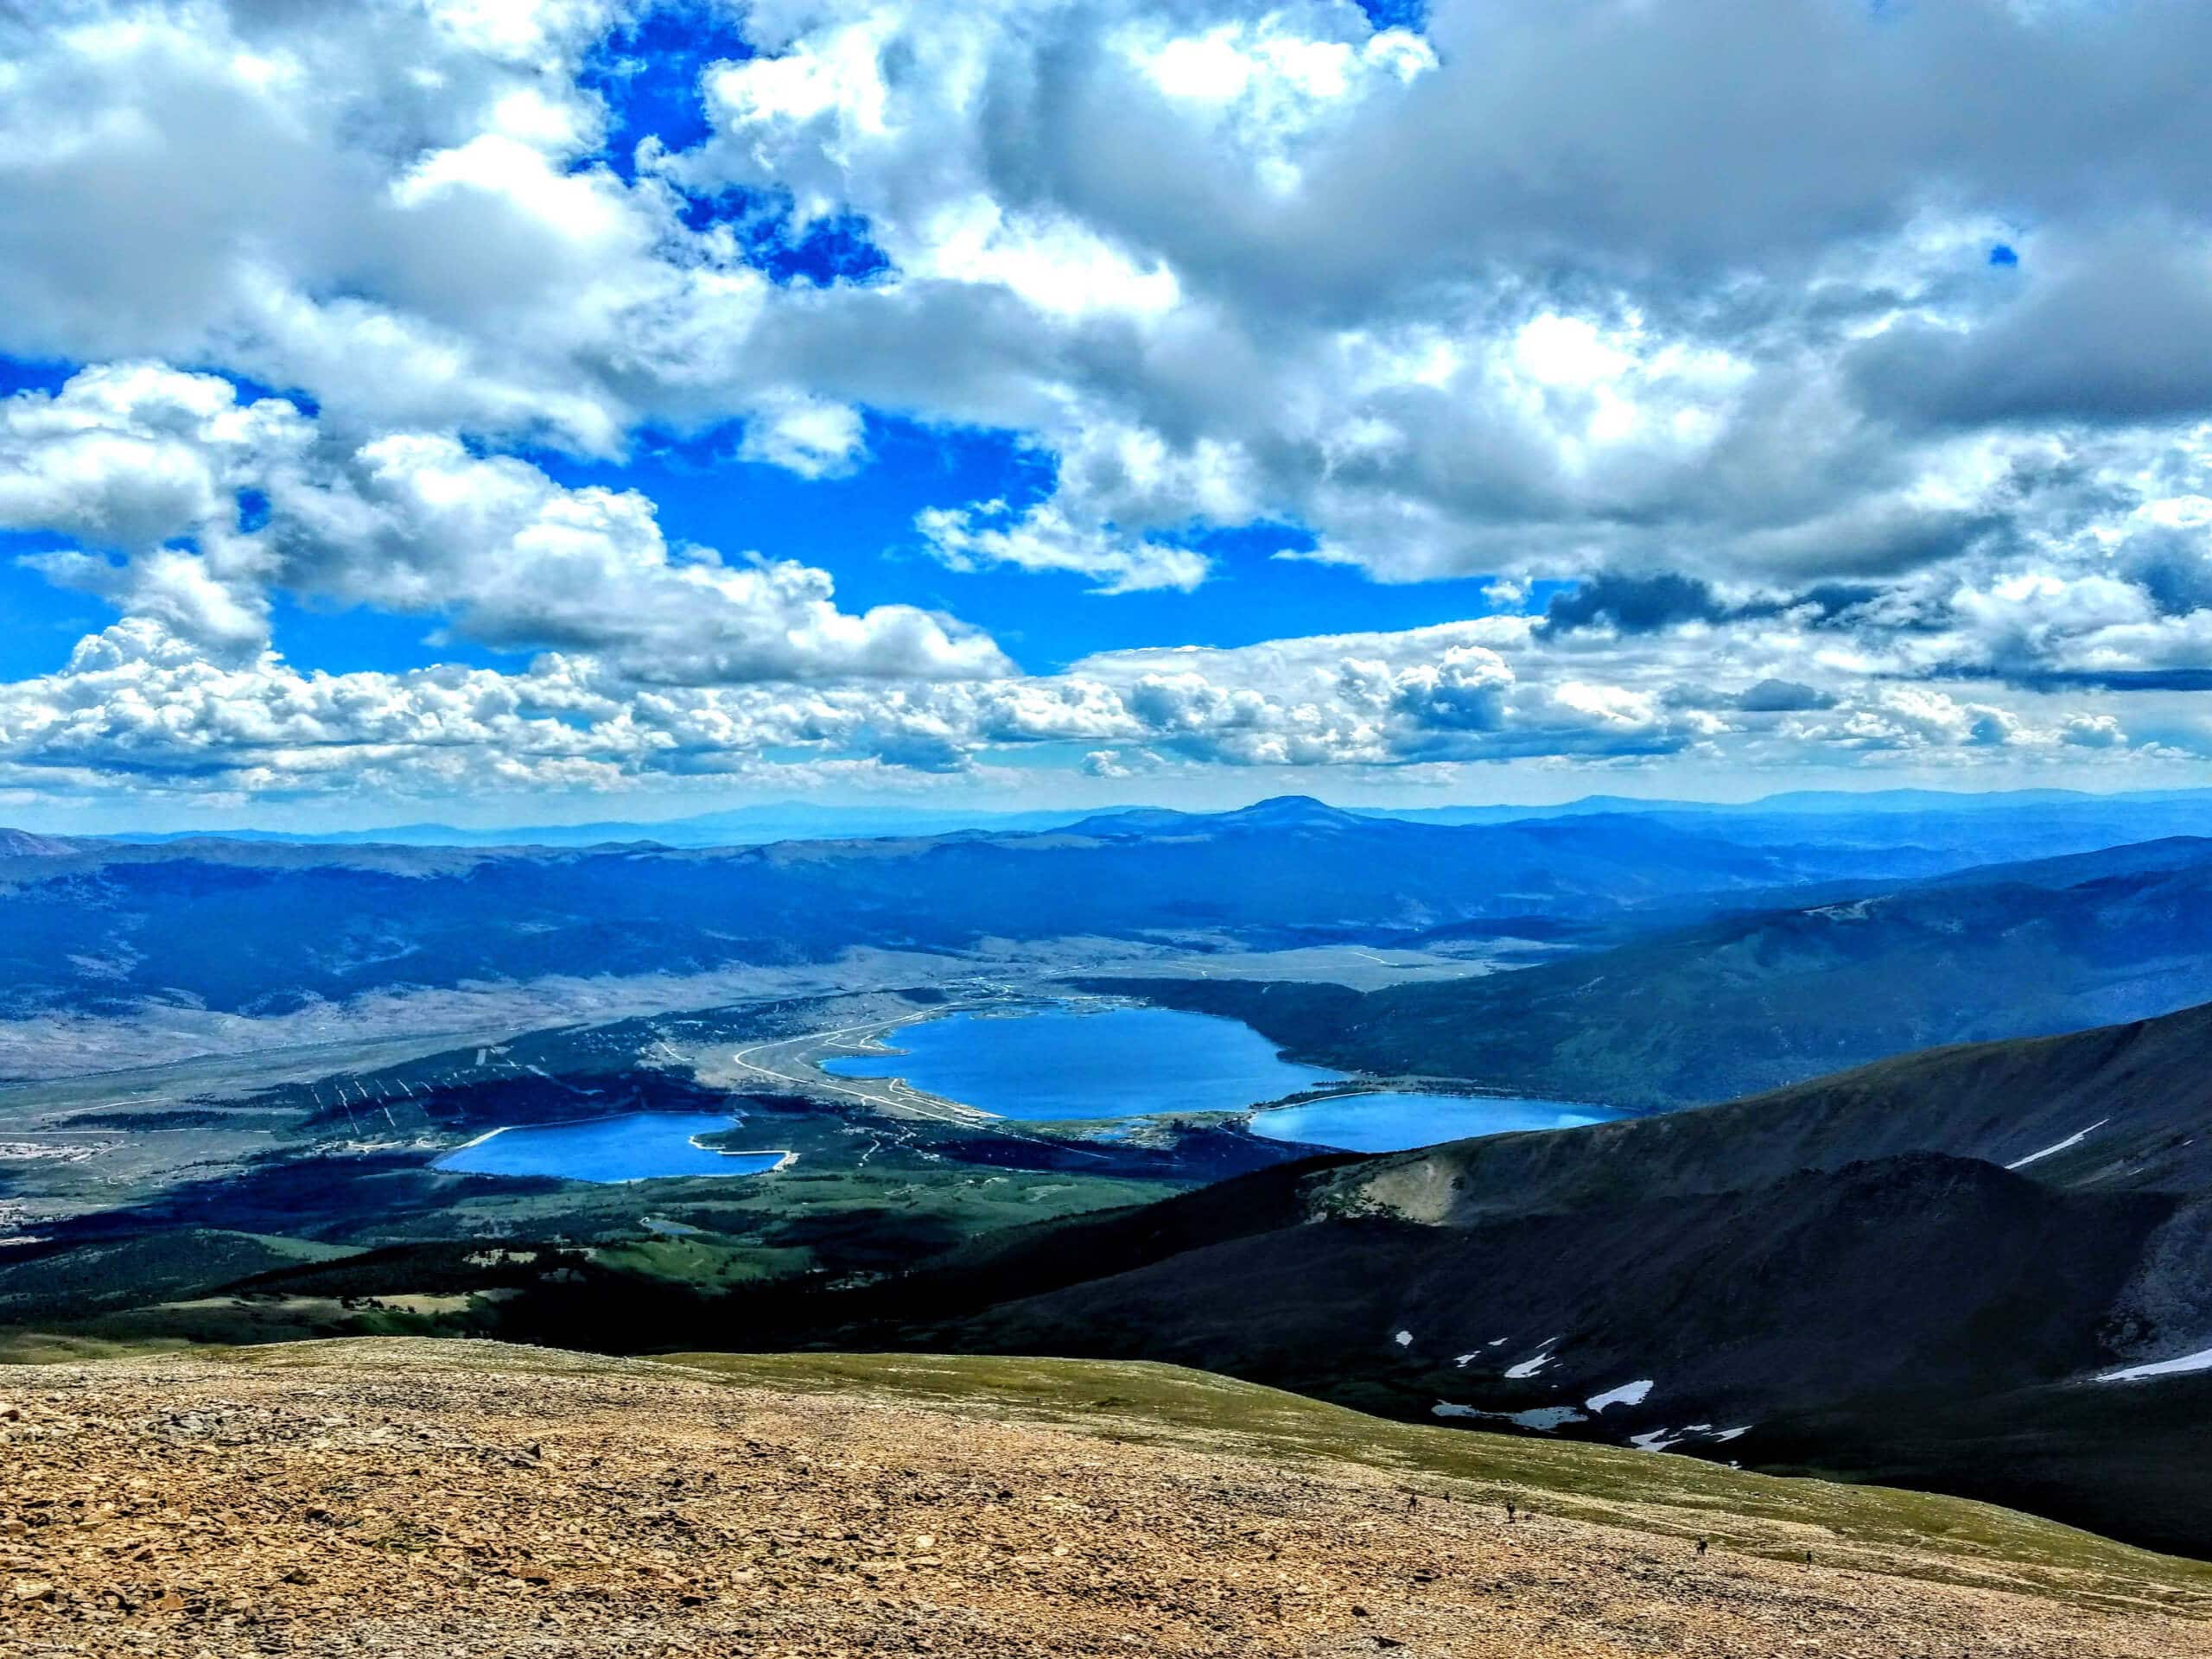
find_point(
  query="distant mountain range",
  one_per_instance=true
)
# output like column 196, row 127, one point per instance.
column 742, row 826
column 99, row 923
column 1955, row 829
column 1988, row 825
column 1845, row 1275
column 1704, row 966
column 1827, row 803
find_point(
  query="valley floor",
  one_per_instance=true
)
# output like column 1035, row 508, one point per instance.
column 382, row 1497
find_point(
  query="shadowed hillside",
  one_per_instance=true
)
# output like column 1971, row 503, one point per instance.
column 1782, row 1297
column 1756, row 1000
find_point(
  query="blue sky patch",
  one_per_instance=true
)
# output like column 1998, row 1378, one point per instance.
column 648, row 73
column 860, row 530
column 39, row 623
column 1396, row 13
column 27, row 374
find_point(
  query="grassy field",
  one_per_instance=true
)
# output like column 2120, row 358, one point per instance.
column 1876, row 1528
column 600, row 1268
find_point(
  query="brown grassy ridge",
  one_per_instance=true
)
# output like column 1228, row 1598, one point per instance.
column 399, row 1497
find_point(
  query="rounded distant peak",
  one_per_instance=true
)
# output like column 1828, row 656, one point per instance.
column 1279, row 812
column 1285, row 810
column 23, row 843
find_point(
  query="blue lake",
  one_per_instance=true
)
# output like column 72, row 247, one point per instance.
column 638, row 1147
column 1398, row 1122
column 1057, row 1064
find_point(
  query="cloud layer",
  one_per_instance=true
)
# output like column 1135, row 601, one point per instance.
column 1844, row 371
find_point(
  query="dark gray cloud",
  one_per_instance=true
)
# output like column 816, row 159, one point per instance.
column 1783, row 697
column 2173, row 567
column 1630, row 604
column 1633, row 604
column 2116, row 679
column 2122, row 334
column 1657, row 143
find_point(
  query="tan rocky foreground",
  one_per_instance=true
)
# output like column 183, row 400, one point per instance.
column 415, row 1498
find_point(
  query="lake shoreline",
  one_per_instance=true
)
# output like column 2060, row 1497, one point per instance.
column 611, row 1149
column 1381, row 1120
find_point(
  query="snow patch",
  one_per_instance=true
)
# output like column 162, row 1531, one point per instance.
column 1546, row 1418
column 1665, row 1439
column 1535, row 1363
column 2073, row 1140
column 1629, row 1394
column 1541, row 1358
column 2196, row 1361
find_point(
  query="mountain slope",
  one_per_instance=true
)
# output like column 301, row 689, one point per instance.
column 1958, row 827
column 2138, row 1094
column 1745, row 1264
column 743, row 826
column 415, row 1498
column 1736, row 1307
column 1759, row 999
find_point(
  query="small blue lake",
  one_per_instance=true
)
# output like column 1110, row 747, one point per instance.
column 638, row 1147
column 1057, row 1063
column 1398, row 1122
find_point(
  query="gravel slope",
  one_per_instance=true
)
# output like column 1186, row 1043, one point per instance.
column 402, row 1497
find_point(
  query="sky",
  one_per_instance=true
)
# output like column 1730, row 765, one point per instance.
column 520, row 411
